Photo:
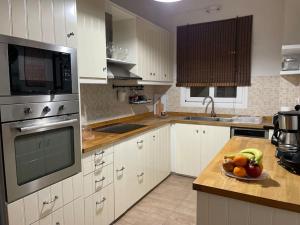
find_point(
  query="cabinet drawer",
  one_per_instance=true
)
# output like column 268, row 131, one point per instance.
column 99, row 207
column 98, row 179
column 94, row 160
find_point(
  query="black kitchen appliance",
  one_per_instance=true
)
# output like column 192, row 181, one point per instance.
column 286, row 138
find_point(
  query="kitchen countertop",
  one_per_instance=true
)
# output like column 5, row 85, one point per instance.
column 280, row 191
column 103, row 139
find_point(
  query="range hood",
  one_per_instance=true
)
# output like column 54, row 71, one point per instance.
column 120, row 70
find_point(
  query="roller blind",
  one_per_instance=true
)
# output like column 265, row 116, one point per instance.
column 215, row 53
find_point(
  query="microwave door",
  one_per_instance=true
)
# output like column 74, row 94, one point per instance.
column 39, row 153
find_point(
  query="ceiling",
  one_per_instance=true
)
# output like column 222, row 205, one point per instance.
column 160, row 13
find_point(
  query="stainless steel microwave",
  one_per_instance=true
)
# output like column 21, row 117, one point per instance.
column 31, row 68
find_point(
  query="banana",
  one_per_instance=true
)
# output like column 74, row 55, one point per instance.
column 258, row 155
column 250, row 156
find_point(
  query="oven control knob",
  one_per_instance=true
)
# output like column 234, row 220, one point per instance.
column 46, row 109
column 27, row 110
column 61, row 108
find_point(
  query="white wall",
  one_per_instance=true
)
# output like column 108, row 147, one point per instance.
column 292, row 22
column 267, row 29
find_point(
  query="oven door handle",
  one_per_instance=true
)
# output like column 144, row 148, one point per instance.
column 46, row 125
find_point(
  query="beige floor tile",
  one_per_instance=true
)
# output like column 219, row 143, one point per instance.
column 172, row 203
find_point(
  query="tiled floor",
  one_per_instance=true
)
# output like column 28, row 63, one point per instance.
column 172, row 203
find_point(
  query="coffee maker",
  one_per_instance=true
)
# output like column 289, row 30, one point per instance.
column 286, row 138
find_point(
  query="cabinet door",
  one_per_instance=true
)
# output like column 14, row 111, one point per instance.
column 143, row 54
column 104, row 206
column 59, row 22
column 47, row 21
column 164, row 152
column 125, row 176
column 69, row 214
column 141, row 144
column 18, row 16
column 5, row 17
column 71, row 23
column 34, row 20
column 188, row 145
column 91, row 39
column 210, row 145
column 79, row 211
column 16, row 214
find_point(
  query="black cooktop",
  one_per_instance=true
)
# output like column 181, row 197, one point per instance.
column 120, row 128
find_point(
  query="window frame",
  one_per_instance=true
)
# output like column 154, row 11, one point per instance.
column 241, row 101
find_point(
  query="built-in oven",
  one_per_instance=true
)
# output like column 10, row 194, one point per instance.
column 39, row 151
column 30, row 68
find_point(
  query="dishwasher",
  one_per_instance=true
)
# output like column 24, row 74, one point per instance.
column 249, row 132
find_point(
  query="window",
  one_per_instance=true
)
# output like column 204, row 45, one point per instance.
column 224, row 97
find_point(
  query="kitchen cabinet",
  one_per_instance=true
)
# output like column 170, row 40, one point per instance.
column 49, row 205
column 91, row 52
column 124, row 176
column 196, row 145
column 50, row 21
column 153, row 61
column 141, row 163
column 5, row 17
column 99, row 207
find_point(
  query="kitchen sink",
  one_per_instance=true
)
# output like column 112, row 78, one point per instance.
column 204, row 118
column 120, row 128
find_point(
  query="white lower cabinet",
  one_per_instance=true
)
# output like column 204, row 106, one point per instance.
column 196, row 145
column 99, row 207
column 140, row 164
column 53, row 205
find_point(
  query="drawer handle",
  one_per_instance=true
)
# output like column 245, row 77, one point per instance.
column 57, row 223
column 51, row 201
column 99, row 153
column 101, row 202
column 140, row 175
column 101, row 180
column 119, row 170
column 140, row 142
column 100, row 164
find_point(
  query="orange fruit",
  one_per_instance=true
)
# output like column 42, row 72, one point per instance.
column 239, row 171
column 240, row 160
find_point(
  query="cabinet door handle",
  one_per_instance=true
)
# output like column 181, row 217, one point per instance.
column 140, row 142
column 70, row 34
column 100, row 163
column 141, row 174
column 101, row 202
column 104, row 69
column 99, row 153
column 197, row 131
column 57, row 223
column 101, row 180
column 119, row 170
column 204, row 132
column 51, row 201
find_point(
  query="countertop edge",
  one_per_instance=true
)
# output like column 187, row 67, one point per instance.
column 248, row 198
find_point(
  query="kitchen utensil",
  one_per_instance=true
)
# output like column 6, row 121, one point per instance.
column 264, row 175
column 290, row 63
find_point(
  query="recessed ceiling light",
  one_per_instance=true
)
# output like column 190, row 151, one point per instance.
column 166, row 1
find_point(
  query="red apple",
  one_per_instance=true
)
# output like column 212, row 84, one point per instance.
column 253, row 170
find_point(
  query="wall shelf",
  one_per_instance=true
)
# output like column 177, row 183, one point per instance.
column 290, row 49
column 290, row 72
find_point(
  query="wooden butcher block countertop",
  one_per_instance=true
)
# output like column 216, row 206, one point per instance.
column 102, row 139
column 281, row 190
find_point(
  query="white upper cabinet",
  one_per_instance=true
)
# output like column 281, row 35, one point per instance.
column 49, row 21
column 91, row 41
column 153, row 61
column 5, row 17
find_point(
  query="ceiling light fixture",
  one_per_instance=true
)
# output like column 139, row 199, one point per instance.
column 167, row 1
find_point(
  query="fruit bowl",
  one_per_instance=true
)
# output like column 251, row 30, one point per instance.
column 244, row 165
column 264, row 175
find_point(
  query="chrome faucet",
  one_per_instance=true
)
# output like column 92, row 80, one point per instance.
column 212, row 113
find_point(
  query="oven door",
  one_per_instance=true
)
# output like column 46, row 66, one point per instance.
column 40, row 152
